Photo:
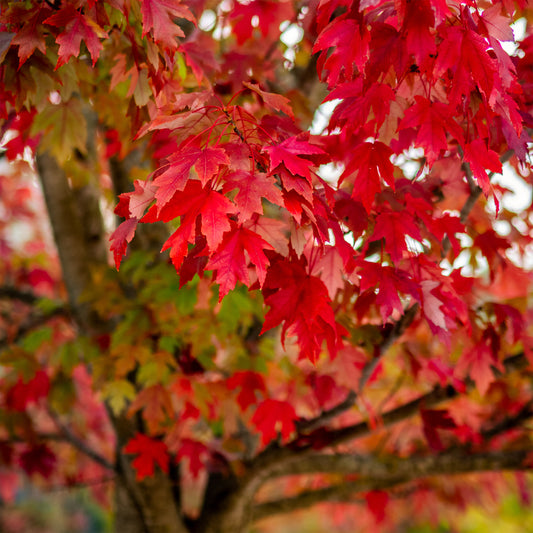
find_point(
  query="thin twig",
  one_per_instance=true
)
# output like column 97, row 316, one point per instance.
column 79, row 444
column 434, row 397
column 475, row 193
column 326, row 416
column 392, row 336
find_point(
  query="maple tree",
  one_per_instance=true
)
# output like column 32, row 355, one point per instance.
column 280, row 313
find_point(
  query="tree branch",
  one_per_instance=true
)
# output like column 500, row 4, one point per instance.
column 33, row 322
column 279, row 461
column 398, row 414
column 79, row 444
column 392, row 336
column 326, row 416
column 12, row 293
column 509, row 422
column 386, row 473
column 343, row 492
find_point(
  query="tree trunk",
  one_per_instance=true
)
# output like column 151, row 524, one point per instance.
column 146, row 506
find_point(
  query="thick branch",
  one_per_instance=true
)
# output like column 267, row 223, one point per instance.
column 509, row 422
column 281, row 461
column 343, row 492
column 390, row 472
column 147, row 506
column 12, row 293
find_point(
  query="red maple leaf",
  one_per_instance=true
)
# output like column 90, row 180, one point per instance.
column 190, row 411
column 482, row 159
column 252, row 188
column 194, row 201
column 141, row 197
column 195, row 452
column 273, row 416
column 38, row 459
column 272, row 230
column 21, row 137
column 249, row 382
column 330, row 268
column 433, row 121
column 464, row 53
column 291, row 153
column 391, row 283
column 433, row 419
column 295, row 189
column 377, row 501
column 369, row 165
column 277, row 102
column 76, row 27
column 178, row 242
column 478, row 363
column 174, row 178
column 22, row 394
column 394, row 226
column 301, row 303
column 31, row 36
column 323, row 386
column 351, row 42
column 359, row 103
column 238, row 248
column 418, row 21
column 120, row 238
column 432, row 305
column 149, row 453
column 158, row 16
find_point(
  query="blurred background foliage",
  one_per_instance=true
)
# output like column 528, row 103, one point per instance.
column 61, row 511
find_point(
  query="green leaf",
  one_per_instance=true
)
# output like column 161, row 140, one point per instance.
column 64, row 129
column 62, row 394
column 182, row 67
column 33, row 340
column 117, row 394
column 152, row 373
column 169, row 344
column 186, row 299
column 237, row 309
column 47, row 306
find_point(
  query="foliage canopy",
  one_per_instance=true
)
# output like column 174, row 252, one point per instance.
column 340, row 312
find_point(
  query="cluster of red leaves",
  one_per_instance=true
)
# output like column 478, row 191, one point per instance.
column 243, row 184
column 442, row 103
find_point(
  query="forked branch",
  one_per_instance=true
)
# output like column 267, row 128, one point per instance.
column 387, row 473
